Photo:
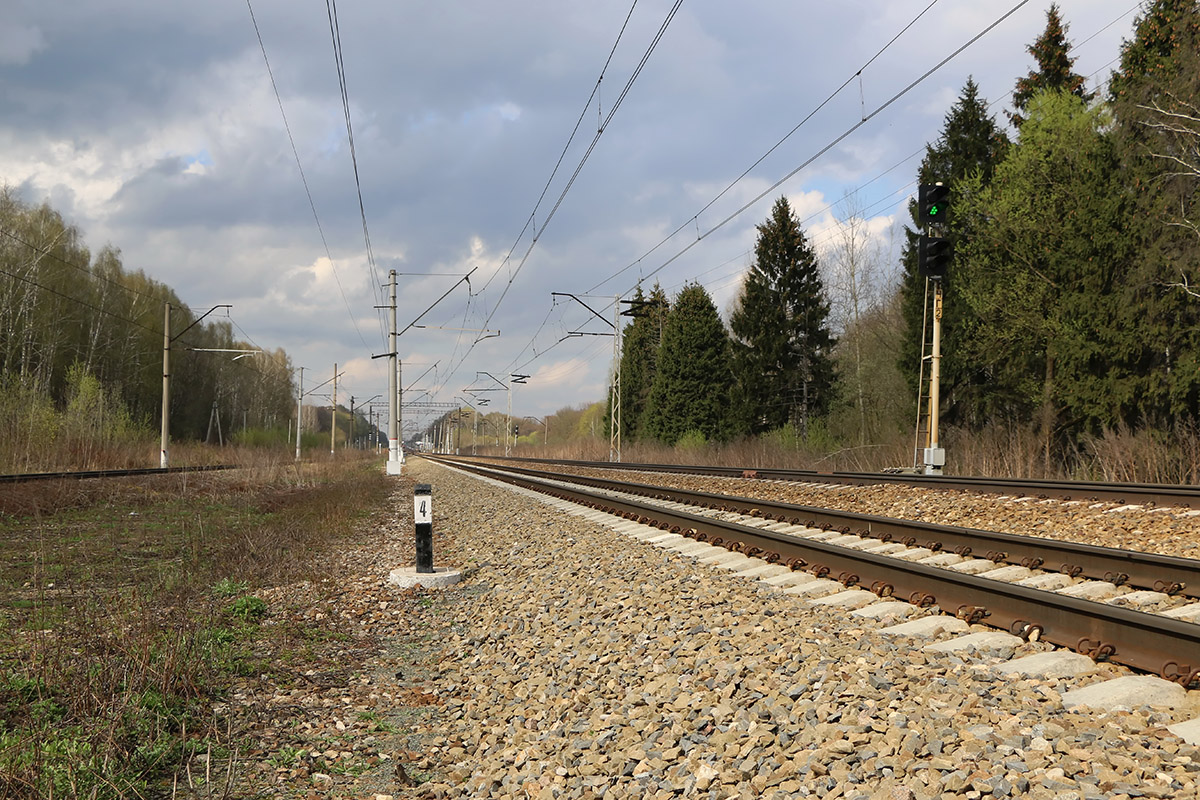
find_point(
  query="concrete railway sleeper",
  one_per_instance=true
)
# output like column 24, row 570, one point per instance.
column 1151, row 643
column 1169, row 575
column 1154, row 494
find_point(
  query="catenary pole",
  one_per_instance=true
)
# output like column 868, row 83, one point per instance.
column 166, row 390
column 299, row 410
column 395, row 452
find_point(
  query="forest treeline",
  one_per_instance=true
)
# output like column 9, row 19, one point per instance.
column 1071, row 315
column 1071, row 310
column 81, row 348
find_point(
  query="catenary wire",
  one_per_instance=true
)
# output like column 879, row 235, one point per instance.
column 300, row 168
column 336, row 35
column 894, row 202
column 772, row 149
column 591, row 148
column 604, row 126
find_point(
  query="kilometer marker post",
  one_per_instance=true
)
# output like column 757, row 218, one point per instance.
column 423, row 573
column 423, row 517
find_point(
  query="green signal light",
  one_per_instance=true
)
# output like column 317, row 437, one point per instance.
column 934, row 211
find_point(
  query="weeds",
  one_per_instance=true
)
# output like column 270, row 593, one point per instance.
column 1145, row 455
column 127, row 610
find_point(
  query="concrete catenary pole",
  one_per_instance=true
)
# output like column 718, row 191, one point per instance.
column 395, row 451
column 299, row 410
column 166, row 390
column 333, row 418
column 614, row 439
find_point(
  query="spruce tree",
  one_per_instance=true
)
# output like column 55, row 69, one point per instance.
column 691, row 390
column 1054, row 67
column 971, row 143
column 1155, row 90
column 639, row 358
column 1149, row 61
column 784, row 347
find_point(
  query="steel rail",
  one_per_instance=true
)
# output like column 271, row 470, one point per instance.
column 1147, row 642
column 1157, row 494
column 107, row 473
column 1168, row 574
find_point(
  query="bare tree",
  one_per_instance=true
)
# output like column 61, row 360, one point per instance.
column 858, row 289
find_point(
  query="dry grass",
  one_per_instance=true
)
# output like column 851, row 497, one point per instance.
column 1006, row 451
column 128, row 607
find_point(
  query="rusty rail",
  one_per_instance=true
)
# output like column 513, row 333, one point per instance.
column 1168, row 574
column 1154, row 494
column 1147, row 642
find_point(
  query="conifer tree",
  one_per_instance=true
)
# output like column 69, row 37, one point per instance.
column 1054, row 67
column 639, row 358
column 691, row 390
column 783, row 350
column 971, row 143
column 1149, row 61
column 1153, row 94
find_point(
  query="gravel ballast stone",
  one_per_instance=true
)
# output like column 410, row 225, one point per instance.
column 584, row 664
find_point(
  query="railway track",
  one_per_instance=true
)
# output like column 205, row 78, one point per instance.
column 1149, row 494
column 106, row 473
column 1031, row 587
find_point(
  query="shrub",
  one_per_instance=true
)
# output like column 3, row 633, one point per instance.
column 248, row 608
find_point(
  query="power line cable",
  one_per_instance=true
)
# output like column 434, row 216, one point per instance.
column 77, row 301
column 600, row 131
column 825, row 238
column 85, row 270
column 303, row 179
column 336, row 33
column 837, row 140
column 773, row 148
column 532, row 219
column 865, row 119
column 591, row 148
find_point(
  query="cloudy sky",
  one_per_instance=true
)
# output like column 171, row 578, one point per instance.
column 155, row 127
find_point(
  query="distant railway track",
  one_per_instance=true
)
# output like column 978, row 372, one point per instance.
column 818, row 540
column 1157, row 494
column 107, row 473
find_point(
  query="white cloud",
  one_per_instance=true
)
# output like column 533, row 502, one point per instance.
column 156, row 123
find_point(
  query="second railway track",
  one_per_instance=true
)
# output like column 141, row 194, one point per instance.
column 959, row 569
column 1154, row 494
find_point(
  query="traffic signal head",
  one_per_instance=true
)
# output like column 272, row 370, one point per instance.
column 933, row 203
column 933, row 256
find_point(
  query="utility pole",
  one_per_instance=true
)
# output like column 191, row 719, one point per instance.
column 614, row 434
column 395, row 463
column 512, row 379
column 614, row 425
column 395, row 394
column 163, row 460
column 166, row 390
column 299, row 410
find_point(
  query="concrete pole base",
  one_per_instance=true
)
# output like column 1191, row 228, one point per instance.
column 407, row 577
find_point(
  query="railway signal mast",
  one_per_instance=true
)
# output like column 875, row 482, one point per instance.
column 934, row 252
